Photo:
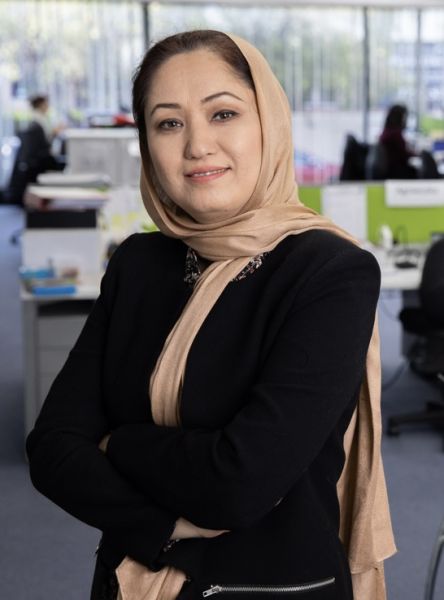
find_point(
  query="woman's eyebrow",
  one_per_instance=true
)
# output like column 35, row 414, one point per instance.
column 214, row 96
column 165, row 105
column 206, row 99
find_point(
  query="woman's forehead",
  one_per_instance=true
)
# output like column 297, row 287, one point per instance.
column 200, row 73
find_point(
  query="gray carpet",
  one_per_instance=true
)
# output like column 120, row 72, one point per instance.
column 47, row 555
column 44, row 553
column 414, row 464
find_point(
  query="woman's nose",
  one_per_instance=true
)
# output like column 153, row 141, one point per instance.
column 199, row 141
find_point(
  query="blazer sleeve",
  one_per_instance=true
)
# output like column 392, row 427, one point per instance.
column 66, row 464
column 231, row 477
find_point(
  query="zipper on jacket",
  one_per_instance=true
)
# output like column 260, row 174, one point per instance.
column 268, row 589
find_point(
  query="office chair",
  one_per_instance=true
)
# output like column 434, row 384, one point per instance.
column 426, row 322
column 353, row 163
column 428, row 168
column 434, row 563
column 33, row 157
column 376, row 164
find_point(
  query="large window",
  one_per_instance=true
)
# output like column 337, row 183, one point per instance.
column 80, row 53
column 393, row 39
column 431, row 99
column 83, row 52
column 317, row 55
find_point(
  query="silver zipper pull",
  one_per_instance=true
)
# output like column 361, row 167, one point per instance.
column 214, row 589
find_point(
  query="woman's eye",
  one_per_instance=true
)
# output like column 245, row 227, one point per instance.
column 224, row 115
column 169, row 124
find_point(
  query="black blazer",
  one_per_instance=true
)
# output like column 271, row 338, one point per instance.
column 271, row 383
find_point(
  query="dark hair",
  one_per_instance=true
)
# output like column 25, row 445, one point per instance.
column 37, row 100
column 396, row 117
column 180, row 43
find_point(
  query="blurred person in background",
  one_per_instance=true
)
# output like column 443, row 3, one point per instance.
column 34, row 155
column 395, row 160
column 397, row 151
column 40, row 117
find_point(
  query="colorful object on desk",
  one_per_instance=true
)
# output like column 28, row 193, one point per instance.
column 54, row 290
column 42, row 273
column 52, row 286
column 45, row 281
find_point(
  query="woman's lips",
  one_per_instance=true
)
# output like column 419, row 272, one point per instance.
column 202, row 176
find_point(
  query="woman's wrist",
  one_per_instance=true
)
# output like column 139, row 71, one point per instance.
column 185, row 529
column 104, row 443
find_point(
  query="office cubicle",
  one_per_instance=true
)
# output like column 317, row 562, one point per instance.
column 412, row 225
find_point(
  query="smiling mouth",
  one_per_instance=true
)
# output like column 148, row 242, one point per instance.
column 206, row 174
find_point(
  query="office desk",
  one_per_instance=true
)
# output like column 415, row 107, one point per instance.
column 404, row 281
column 394, row 278
column 400, row 279
column 51, row 325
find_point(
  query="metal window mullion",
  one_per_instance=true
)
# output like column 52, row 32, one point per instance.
column 366, row 76
column 145, row 7
column 418, row 69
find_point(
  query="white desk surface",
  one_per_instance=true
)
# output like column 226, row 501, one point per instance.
column 400, row 279
column 392, row 278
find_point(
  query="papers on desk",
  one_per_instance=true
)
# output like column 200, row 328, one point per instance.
column 42, row 197
column 87, row 180
column 346, row 205
column 46, row 281
column 421, row 193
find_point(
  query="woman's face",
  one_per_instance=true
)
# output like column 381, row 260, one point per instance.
column 204, row 135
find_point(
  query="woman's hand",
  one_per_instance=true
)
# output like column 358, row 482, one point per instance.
column 184, row 529
column 104, row 443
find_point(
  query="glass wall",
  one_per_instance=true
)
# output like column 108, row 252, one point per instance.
column 318, row 56
column 80, row 53
column 432, row 74
column 393, row 39
column 83, row 52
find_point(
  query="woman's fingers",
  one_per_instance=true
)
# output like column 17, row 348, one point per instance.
column 210, row 533
column 104, row 443
column 185, row 529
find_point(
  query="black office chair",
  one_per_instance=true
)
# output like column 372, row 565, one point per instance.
column 33, row 157
column 376, row 164
column 428, row 168
column 353, row 162
column 426, row 322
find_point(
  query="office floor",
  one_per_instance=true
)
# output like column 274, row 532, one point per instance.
column 47, row 555
column 414, row 464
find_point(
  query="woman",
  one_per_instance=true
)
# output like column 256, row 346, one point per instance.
column 34, row 155
column 397, row 153
column 222, row 362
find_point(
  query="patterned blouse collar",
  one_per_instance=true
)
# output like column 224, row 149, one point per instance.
column 193, row 272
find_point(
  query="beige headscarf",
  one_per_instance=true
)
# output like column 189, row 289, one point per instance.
column 272, row 213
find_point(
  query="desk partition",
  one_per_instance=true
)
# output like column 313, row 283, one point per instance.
column 413, row 225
